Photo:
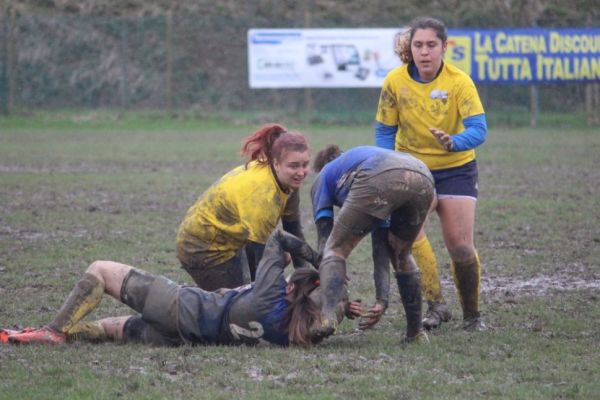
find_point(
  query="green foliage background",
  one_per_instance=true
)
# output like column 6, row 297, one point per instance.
column 192, row 55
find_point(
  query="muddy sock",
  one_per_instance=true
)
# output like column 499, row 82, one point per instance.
column 380, row 253
column 430, row 278
column 92, row 331
column 409, row 285
column 332, row 274
column 84, row 297
column 466, row 278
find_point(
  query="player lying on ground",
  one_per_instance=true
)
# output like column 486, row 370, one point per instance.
column 269, row 310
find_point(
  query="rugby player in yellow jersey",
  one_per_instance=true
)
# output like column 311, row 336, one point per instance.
column 222, row 237
column 431, row 110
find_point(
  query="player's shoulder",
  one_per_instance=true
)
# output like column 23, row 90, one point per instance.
column 397, row 72
column 456, row 73
column 251, row 170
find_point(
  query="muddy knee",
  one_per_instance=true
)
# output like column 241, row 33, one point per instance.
column 96, row 268
column 462, row 254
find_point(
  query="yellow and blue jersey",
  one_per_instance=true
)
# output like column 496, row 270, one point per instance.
column 414, row 107
column 333, row 184
column 244, row 205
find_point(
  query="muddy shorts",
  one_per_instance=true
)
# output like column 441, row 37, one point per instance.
column 229, row 274
column 206, row 268
column 382, row 193
column 457, row 182
column 156, row 299
column 402, row 195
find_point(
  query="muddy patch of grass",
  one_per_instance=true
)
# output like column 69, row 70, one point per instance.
column 88, row 190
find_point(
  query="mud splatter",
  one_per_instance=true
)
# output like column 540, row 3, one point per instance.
column 539, row 285
column 535, row 286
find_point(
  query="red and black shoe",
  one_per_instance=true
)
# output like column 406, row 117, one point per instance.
column 5, row 333
column 43, row 335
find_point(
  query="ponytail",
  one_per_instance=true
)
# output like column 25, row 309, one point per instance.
column 269, row 142
column 302, row 311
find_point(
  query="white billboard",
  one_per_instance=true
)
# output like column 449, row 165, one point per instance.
column 320, row 58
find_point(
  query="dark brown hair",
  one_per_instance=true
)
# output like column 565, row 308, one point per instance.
column 329, row 153
column 403, row 40
column 269, row 142
column 302, row 311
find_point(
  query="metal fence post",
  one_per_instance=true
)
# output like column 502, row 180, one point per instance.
column 592, row 103
column 4, row 64
column 534, row 103
column 309, row 104
column 9, row 60
column 124, row 68
column 169, row 53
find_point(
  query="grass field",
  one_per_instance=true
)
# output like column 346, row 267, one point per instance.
column 77, row 188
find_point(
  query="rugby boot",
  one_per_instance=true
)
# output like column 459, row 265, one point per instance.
column 420, row 338
column 322, row 330
column 474, row 324
column 437, row 312
column 44, row 335
column 5, row 333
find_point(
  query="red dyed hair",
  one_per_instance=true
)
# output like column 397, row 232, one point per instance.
column 269, row 142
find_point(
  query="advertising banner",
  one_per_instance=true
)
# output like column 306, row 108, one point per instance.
column 321, row 58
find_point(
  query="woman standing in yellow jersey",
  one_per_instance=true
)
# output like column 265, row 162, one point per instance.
column 222, row 237
column 432, row 110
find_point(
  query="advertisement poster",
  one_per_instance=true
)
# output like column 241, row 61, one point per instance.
column 321, row 58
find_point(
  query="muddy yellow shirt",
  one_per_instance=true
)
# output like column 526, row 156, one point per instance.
column 415, row 107
column 244, row 205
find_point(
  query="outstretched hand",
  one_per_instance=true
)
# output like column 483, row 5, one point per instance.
column 371, row 317
column 442, row 137
column 354, row 309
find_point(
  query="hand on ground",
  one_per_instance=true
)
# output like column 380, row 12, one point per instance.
column 354, row 309
column 371, row 317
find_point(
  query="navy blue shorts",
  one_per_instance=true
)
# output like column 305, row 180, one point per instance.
column 457, row 182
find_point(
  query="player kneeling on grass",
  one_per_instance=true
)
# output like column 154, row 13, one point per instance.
column 270, row 310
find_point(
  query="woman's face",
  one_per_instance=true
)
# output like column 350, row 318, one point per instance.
column 427, row 51
column 291, row 168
